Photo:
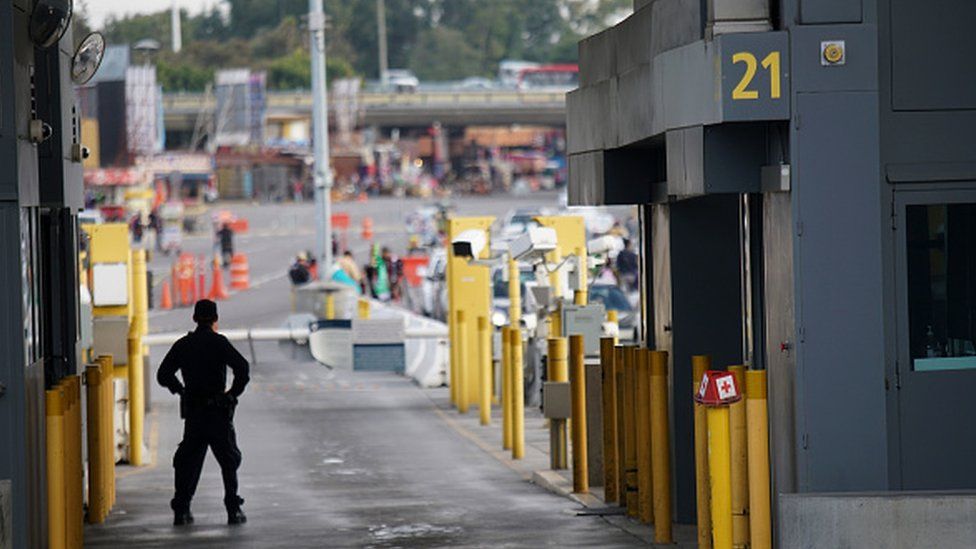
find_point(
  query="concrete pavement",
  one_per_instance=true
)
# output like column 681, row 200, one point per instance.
column 343, row 459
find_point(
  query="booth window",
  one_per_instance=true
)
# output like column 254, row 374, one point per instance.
column 941, row 245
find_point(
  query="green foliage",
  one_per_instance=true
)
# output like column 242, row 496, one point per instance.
column 437, row 39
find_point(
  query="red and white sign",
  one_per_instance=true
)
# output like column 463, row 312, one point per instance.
column 718, row 388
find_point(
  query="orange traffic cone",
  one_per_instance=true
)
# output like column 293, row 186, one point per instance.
column 166, row 302
column 218, row 292
column 240, row 272
column 368, row 228
column 362, row 197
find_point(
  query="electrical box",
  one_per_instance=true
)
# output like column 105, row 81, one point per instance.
column 556, row 400
column 110, row 284
column 587, row 321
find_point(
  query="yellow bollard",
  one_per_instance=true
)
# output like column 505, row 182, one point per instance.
column 506, row 389
column 610, row 458
column 75, row 474
column 699, row 365
column 619, row 358
column 484, row 370
column 613, row 318
column 97, row 497
column 557, row 369
column 642, row 414
column 740, row 468
column 330, row 306
column 363, row 308
column 720, row 475
column 56, row 490
column 518, row 395
column 136, row 409
column 108, row 427
column 577, row 377
column 630, row 430
column 760, row 530
column 660, row 447
column 514, row 294
column 461, row 340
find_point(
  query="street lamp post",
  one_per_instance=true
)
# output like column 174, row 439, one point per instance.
column 320, row 125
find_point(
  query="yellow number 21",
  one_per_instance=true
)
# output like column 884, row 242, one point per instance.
column 771, row 63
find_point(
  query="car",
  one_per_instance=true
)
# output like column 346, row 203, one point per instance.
column 614, row 299
column 477, row 83
column 402, row 80
column 499, row 292
column 519, row 220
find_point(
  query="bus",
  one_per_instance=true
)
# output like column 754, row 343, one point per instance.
column 549, row 77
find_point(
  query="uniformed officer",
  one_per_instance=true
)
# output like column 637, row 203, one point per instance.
column 202, row 358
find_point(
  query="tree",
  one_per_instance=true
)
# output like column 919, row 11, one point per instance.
column 444, row 54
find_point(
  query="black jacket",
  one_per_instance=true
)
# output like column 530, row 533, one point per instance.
column 202, row 358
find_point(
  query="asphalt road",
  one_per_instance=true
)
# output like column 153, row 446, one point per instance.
column 336, row 459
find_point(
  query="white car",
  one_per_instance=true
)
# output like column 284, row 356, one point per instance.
column 402, row 80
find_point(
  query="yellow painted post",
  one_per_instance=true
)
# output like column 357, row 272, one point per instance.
column 700, row 365
column 760, row 529
column 56, row 490
column 558, row 371
column 330, row 306
column 97, row 500
column 577, row 377
column 630, row 429
column 609, row 403
column 642, row 414
column 506, row 389
column 518, row 395
column 461, row 329
column 484, row 370
column 75, row 473
column 613, row 318
column 136, row 364
column 108, row 426
column 740, row 467
column 619, row 360
column 660, row 447
column 363, row 308
column 514, row 294
column 720, row 475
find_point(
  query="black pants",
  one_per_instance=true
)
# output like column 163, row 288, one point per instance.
column 213, row 430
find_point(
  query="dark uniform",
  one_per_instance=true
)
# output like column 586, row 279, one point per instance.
column 202, row 358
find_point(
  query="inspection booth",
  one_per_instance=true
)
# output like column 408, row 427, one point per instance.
column 807, row 186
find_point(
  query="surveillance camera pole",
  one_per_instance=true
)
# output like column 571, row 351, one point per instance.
column 320, row 124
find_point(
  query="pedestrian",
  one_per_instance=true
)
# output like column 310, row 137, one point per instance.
column 201, row 358
column 226, row 238
column 627, row 266
column 298, row 273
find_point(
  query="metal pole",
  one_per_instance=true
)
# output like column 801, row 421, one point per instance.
column 758, row 440
column 577, row 380
column 700, row 364
column 610, row 456
column 381, row 31
column 320, row 124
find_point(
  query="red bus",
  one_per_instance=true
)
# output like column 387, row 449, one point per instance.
column 549, row 77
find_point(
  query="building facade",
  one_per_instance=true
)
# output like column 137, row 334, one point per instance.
column 808, row 194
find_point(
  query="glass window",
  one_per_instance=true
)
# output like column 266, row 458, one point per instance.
column 942, row 286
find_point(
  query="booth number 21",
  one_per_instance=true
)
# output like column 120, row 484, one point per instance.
column 771, row 63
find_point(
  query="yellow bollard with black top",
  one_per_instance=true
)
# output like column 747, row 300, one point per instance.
column 484, row 370
column 577, row 379
column 518, row 394
column 660, row 447
column 557, row 369
column 699, row 365
column 740, row 468
column 609, row 401
column 506, row 389
column 57, row 527
column 760, row 529
column 630, row 430
column 642, row 414
column 719, row 390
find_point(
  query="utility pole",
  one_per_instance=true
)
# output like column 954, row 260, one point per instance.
column 320, row 127
column 177, row 26
column 381, row 29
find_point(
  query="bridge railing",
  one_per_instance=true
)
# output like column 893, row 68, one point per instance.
column 196, row 102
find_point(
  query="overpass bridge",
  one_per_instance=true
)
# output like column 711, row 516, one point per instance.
column 395, row 110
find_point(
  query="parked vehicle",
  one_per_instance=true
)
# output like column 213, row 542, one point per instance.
column 614, row 299
column 434, row 286
column 402, row 80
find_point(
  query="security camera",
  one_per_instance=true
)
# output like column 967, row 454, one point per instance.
column 534, row 244
column 469, row 244
column 608, row 244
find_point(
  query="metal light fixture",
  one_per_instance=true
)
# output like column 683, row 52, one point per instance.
column 88, row 57
column 49, row 20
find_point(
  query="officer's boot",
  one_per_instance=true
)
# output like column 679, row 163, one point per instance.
column 235, row 515
column 181, row 513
